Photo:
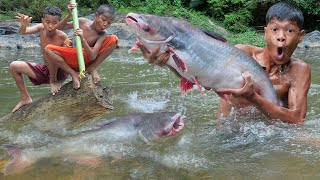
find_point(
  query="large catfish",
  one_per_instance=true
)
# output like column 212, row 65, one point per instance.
column 200, row 57
column 104, row 139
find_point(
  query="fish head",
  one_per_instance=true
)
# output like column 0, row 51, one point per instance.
column 149, row 28
column 161, row 125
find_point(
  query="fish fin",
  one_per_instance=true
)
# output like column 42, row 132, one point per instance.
column 87, row 159
column 104, row 124
column 197, row 83
column 133, row 48
column 18, row 163
column 179, row 62
column 214, row 35
column 185, row 85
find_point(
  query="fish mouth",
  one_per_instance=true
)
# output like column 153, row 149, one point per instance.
column 280, row 53
column 177, row 124
column 131, row 19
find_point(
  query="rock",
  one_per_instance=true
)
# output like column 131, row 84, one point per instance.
column 311, row 40
column 9, row 27
column 67, row 109
column 12, row 40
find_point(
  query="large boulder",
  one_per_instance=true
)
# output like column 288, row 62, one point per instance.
column 12, row 40
column 68, row 109
column 311, row 40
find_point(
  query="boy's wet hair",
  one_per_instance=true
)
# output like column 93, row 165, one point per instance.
column 107, row 8
column 52, row 11
column 285, row 11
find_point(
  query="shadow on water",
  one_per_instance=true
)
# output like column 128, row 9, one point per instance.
column 207, row 148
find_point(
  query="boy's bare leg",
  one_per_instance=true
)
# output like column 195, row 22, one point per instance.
column 53, row 68
column 17, row 68
column 59, row 62
column 92, row 69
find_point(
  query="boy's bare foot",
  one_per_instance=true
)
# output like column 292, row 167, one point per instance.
column 55, row 87
column 76, row 80
column 22, row 103
column 95, row 76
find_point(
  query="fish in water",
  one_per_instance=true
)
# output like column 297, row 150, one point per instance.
column 200, row 57
column 103, row 139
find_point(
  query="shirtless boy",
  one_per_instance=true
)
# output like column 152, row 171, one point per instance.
column 290, row 76
column 39, row 73
column 97, row 44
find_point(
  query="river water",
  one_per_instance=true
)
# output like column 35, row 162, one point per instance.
column 237, row 148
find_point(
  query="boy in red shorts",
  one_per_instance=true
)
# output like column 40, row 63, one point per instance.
column 39, row 74
column 97, row 44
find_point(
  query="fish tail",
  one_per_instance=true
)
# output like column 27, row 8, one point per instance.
column 185, row 85
column 18, row 163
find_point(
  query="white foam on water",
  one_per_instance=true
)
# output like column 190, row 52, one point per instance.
column 146, row 104
column 186, row 160
column 314, row 90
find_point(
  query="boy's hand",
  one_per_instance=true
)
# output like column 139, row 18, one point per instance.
column 68, row 42
column 71, row 6
column 160, row 60
column 78, row 32
column 24, row 19
column 247, row 91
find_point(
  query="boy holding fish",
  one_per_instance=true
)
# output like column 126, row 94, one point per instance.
column 290, row 76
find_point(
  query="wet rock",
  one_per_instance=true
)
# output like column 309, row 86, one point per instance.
column 68, row 109
column 9, row 27
column 311, row 40
column 12, row 40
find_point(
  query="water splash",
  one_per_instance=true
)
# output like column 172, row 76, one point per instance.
column 146, row 104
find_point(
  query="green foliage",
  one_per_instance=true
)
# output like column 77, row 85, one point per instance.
column 236, row 14
column 32, row 8
column 249, row 37
column 311, row 12
column 238, row 21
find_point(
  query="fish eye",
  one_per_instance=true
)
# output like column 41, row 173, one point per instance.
column 165, row 132
column 146, row 28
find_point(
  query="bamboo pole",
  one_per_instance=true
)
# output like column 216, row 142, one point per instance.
column 82, row 67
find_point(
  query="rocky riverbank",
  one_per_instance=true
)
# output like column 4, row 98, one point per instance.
column 12, row 40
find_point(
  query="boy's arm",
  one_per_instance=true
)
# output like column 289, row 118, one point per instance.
column 25, row 21
column 64, row 24
column 224, row 108
column 93, row 52
column 297, row 97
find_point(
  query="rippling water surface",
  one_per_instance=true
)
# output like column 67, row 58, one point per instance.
column 236, row 148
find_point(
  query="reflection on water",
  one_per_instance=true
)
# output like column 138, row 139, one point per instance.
column 207, row 148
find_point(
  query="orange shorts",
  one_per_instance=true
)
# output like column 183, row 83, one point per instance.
column 70, row 56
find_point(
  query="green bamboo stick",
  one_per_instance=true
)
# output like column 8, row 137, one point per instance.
column 82, row 66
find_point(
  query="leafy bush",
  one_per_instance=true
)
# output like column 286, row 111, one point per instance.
column 249, row 37
column 238, row 21
column 238, row 15
column 32, row 8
